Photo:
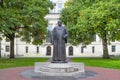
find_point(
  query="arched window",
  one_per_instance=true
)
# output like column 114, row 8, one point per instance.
column 48, row 51
column 70, row 51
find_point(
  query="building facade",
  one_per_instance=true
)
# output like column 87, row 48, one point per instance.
column 22, row 49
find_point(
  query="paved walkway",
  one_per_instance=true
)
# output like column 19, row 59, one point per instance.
column 102, row 74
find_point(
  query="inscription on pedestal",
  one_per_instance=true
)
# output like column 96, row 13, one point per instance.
column 53, row 69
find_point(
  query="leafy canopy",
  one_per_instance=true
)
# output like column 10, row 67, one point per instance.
column 85, row 18
column 24, row 18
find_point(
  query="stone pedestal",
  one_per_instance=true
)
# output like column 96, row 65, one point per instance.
column 59, row 69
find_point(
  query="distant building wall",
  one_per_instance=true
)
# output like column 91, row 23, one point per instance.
column 23, row 49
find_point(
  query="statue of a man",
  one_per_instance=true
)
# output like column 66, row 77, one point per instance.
column 59, row 38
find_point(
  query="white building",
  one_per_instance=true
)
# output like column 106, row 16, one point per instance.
column 46, row 49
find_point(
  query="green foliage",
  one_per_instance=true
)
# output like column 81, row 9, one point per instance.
column 14, row 13
column 24, row 19
column 102, row 17
column 70, row 15
column 85, row 18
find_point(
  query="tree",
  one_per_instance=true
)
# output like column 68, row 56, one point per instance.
column 98, row 17
column 70, row 15
column 25, row 19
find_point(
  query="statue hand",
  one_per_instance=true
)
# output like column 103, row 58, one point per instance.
column 52, row 43
column 63, row 37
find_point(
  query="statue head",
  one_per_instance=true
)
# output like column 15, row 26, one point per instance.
column 59, row 23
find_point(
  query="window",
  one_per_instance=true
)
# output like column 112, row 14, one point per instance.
column 70, row 51
column 59, row 7
column 48, row 51
column 37, row 49
column 113, row 48
column 93, row 49
column 82, row 49
column 7, row 48
column 59, row 11
column 26, row 49
column 94, row 38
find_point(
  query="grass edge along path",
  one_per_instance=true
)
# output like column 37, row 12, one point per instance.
column 99, row 62
column 19, row 62
column 95, row 62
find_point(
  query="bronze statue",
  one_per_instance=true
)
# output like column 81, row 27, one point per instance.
column 58, row 40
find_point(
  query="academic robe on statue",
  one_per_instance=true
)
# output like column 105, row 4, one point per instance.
column 59, row 38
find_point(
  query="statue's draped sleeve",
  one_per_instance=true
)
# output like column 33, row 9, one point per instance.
column 66, row 35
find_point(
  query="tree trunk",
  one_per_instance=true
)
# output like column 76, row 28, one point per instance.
column 12, row 46
column 105, row 49
column 0, row 49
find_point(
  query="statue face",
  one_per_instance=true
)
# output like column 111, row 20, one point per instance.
column 59, row 23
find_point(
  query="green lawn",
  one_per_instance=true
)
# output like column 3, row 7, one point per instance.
column 99, row 62
column 8, row 63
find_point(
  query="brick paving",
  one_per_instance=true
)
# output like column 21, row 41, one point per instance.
column 102, row 74
column 105, row 74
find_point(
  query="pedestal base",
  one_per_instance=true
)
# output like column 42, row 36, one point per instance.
column 59, row 69
column 58, row 61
